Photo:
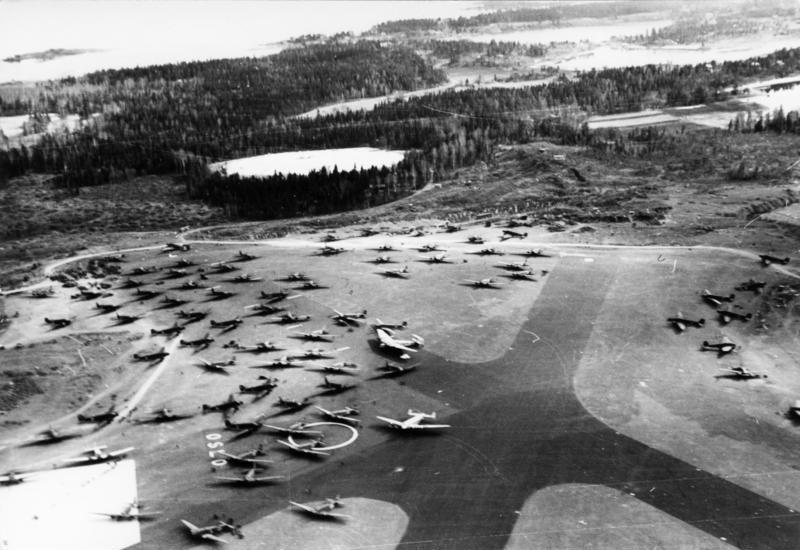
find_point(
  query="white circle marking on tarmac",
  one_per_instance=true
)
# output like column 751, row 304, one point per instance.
column 331, row 447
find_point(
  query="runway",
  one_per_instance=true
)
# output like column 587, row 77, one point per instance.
column 520, row 429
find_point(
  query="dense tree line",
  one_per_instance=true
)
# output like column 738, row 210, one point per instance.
column 689, row 31
column 454, row 50
column 777, row 121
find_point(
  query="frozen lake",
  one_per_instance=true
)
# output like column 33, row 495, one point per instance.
column 303, row 162
column 575, row 33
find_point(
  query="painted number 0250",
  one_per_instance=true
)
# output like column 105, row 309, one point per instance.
column 215, row 445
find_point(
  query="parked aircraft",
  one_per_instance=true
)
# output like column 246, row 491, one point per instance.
column 123, row 319
column 13, row 478
column 85, row 294
column 230, row 404
column 439, row 259
column 243, row 429
column 386, row 248
column 514, row 266
column 329, row 238
column 348, row 318
column 341, row 415
column 510, row 234
column 387, row 340
column 183, row 262
column 189, row 285
column 57, row 323
column 144, row 270
column 219, row 367
column 475, row 240
column 107, row 308
column 298, row 428
column 172, row 302
column 175, row 273
column 261, row 347
column 319, row 335
column 741, row 373
column 176, row 247
column 290, row 317
column 209, row 533
column 451, row 227
column 715, row 300
column 201, row 343
column 228, row 324
column 430, row 248
column 794, row 411
column 536, row 253
column 310, row 285
column 261, row 389
column 222, row 267
column 296, row 276
column 488, row 252
column 164, row 415
column 397, row 273
column 330, row 251
column 766, row 260
column 244, row 257
column 391, row 326
column 752, row 286
column 722, row 348
column 114, row 258
column 98, row 454
column 42, row 292
column 318, row 353
column 368, row 232
column 216, row 294
column 250, row 477
column 342, row 367
column 521, row 275
column 282, row 363
column 131, row 283
column 154, row 357
column 248, row 458
column 132, row 511
column 680, row 323
column 146, row 294
column 484, row 283
column 308, row 448
column 265, row 309
column 414, row 421
column 246, row 278
column 277, row 296
column 322, row 511
column 174, row 330
column 726, row 317
column 335, row 387
column 100, row 418
column 391, row 370
column 52, row 435
column 292, row 405
column 192, row 316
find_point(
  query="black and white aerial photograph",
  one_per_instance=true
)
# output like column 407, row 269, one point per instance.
column 400, row 275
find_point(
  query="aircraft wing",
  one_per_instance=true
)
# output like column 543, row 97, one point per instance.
column 387, row 340
column 209, row 536
column 303, row 507
column 391, row 421
column 76, row 460
column 268, row 478
column 121, row 451
column 426, row 426
column 333, row 515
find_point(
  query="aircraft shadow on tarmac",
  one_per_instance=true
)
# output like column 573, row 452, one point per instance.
column 521, row 429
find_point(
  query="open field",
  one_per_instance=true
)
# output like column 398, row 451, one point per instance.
column 552, row 387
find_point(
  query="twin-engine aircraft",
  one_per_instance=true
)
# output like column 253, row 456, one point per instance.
column 414, row 421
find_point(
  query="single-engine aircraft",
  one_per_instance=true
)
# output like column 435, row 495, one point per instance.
column 322, row 511
column 510, row 234
column 430, row 248
column 401, row 273
column 438, row 259
column 261, row 347
column 335, row 387
column 341, row 415
column 308, row 448
column 222, row 267
column 176, row 247
column 387, row 340
column 766, row 260
column 722, row 348
column 484, row 283
column 246, row 278
column 131, row 512
column 319, row 335
column 680, row 323
column 330, row 250
column 146, row 294
column 172, row 302
column 170, row 332
column 514, row 266
column 183, row 262
column 345, row 319
column 475, row 240
column 58, row 322
column 521, row 275
column 726, row 317
column 249, row 477
column 176, row 273
column 291, row 404
column 107, row 308
column 716, row 300
column 231, row 404
column 488, row 252
column 290, row 317
column 386, row 248
column 189, row 285
column 298, row 428
column 42, row 292
column 243, row 257
column 318, row 353
column 99, row 418
column 131, row 283
column 264, row 387
column 144, row 270
column 310, row 285
column 536, row 253
column 248, row 458
column 228, row 324
column 154, row 357
column 753, row 286
column 391, row 370
column 282, row 363
column 391, row 326
column 414, row 422
column 265, row 309
column 123, row 319
column 52, row 435
column 296, row 276
column 451, row 227
column 13, row 478
column 96, row 455
column 382, row 260
column 216, row 294
column 85, row 294
column 201, row 343
column 164, row 415
column 277, row 296
column 217, row 366
column 741, row 373
column 192, row 316
column 342, row 367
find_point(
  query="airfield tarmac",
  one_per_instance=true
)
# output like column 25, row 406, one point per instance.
column 574, row 381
